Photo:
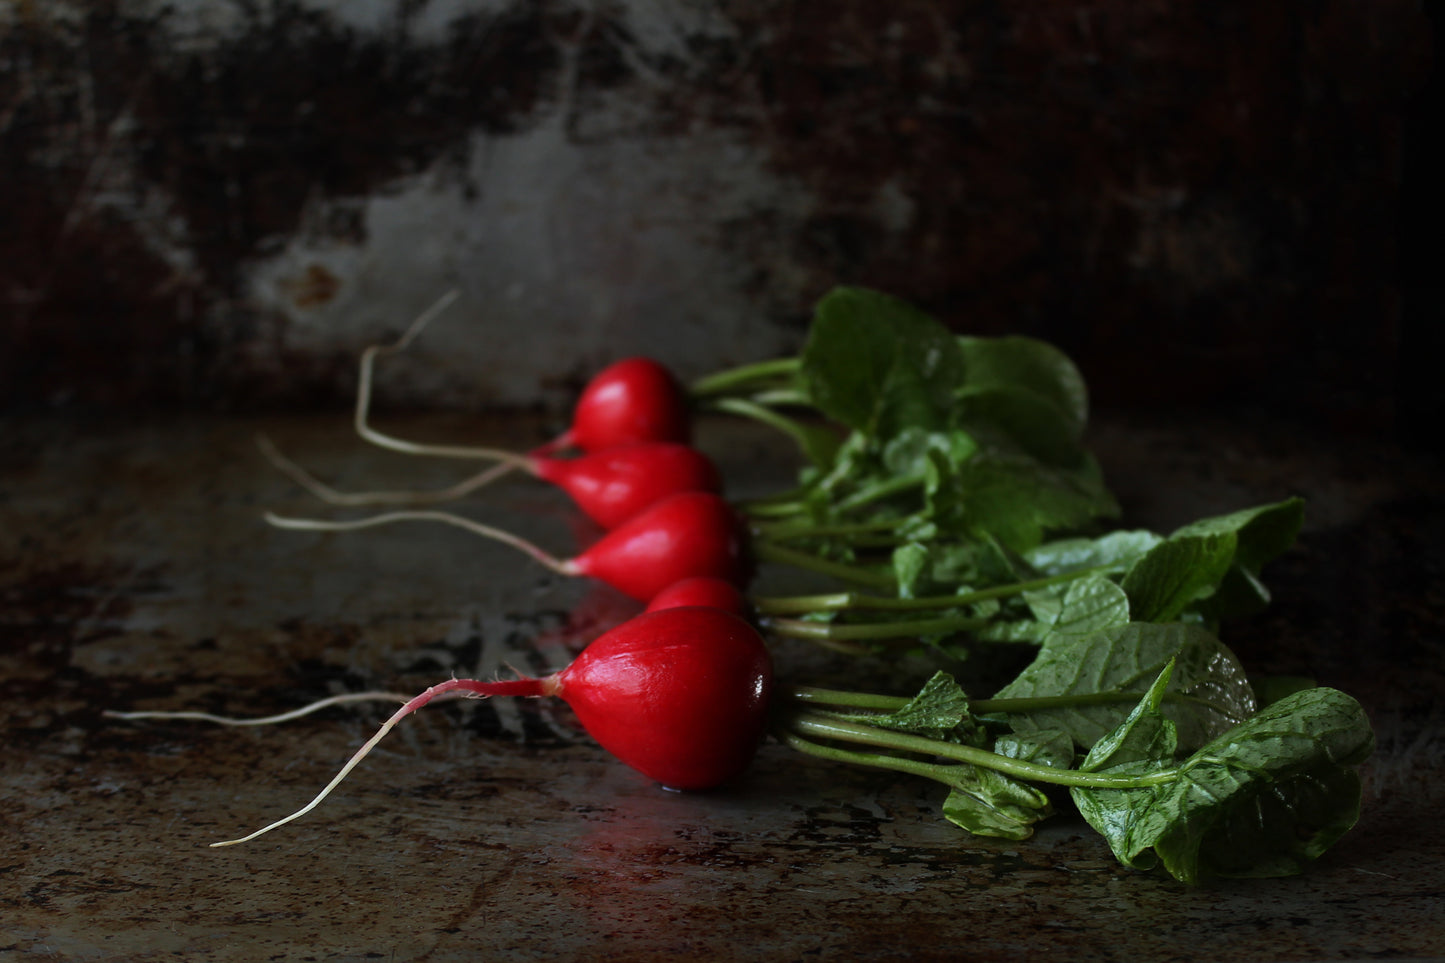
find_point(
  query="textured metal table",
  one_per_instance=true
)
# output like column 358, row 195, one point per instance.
column 135, row 572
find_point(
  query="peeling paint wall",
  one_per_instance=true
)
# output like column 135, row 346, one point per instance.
column 220, row 202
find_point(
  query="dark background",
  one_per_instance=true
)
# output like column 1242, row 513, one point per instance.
column 1228, row 205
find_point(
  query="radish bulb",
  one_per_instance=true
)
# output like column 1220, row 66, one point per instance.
column 680, row 695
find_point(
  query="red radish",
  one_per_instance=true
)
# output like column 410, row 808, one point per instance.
column 610, row 486
column 680, row 695
column 632, row 400
column 694, row 533
column 704, row 590
column 691, row 533
column 614, row 484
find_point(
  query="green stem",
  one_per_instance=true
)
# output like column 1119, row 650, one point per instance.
column 806, row 529
column 782, row 396
column 876, row 760
column 722, row 382
column 841, row 601
column 878, row 492
column 840, row 697
column 815, row 442
column 764, row 508
column 810, row 724
column 836, row 631
column 816, row 695
column 766, row 551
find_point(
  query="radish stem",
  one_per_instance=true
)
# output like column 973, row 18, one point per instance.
column 818, row 443
column 845, row 601
column 804, row 724
column 723, row 382
column 770, row 552
column 878, row 631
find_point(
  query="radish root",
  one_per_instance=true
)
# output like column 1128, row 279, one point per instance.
column 552, row 562
column 306, row 710
column 355, row 499
column 363, row 400
column 469, row 688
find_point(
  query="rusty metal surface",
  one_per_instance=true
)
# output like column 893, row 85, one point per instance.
column 136, row 573
column 252, row 192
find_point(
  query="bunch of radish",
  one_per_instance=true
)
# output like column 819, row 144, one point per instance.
column 636, row 476
column 680, row 692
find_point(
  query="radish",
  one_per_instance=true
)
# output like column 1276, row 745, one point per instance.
column 680, row 695
column 701, row 590
column 687, row 534
column 632, row 400
column 609, row 486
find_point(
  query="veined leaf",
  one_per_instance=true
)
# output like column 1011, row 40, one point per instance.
column 1208, row 691
column 988, row 803
column 1262, row 533
column 1016, row 499
column 879, row 365
column 1082, row 607
column 1262, row 799
column 1031, row 365
column 1016, row 416
column 1177, row 572
column 940, row 710
column 1117, row 550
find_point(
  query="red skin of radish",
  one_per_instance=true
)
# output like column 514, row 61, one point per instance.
column 632, row 400
column 681, row 695
column 703, row 590
column 615, row 484
column 692, row 533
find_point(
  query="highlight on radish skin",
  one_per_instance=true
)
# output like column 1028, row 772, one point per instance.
column 692, row 533
column 680, row 695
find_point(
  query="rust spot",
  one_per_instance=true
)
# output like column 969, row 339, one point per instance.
column 313, row 288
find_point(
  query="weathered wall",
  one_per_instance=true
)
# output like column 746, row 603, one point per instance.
column 219, row 202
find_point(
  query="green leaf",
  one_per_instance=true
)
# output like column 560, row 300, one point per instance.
column 993, row 804
column 988, row 803
column 1208, row 690
column 1262, row 799
column 879, row 365
column 1015, row 416
column 1016, row 499
column 911, row 563
column 1029, row 365
column 907, row 451
column 1089, row 605
column 940, row 709
column 1047, row 747
column 1118, row 550
column 1175, row 573
column 1262, row 533
column 1146, row 736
